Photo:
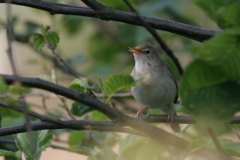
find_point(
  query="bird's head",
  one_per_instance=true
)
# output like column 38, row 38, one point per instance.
column 145, row 53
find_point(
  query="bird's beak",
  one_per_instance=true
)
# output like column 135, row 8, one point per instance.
column 133, row 50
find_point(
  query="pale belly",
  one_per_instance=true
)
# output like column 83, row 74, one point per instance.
column 156, row 96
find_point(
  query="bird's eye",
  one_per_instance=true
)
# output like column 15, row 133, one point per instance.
column 147, row 51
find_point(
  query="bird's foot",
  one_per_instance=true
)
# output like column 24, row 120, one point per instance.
column 170, row 116
column 139, row 113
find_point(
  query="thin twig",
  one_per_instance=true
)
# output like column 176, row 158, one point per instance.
column 48, row 110
column 233, row 130
column 217, row 143
column 66, row 107
column 72, row 71
column 160, row 41
column 10, row 35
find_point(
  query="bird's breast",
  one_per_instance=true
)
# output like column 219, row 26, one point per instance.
column 154, row 91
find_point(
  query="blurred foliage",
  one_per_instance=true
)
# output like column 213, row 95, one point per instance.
column 209, row 89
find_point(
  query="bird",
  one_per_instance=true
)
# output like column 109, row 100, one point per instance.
column 158, row 89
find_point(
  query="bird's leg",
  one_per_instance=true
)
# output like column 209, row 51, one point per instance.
column 170, row 115
column 139, row 113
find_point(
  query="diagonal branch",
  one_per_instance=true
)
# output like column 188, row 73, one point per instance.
column 217, row 143
column 192, row 32
column 157, row 37
column 157, row 134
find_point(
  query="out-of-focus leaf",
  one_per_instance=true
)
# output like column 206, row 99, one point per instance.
column 117, row 83
column 79, row 109
column 17, row 89
column 76, row 137
column 222, row 54
column 53, row 39
column 108, row 138
column 5, row 112
column 76, row 60
column 96, row 115
column 131, row 145
column 209, row 85
column 80, row 150
column 12, row 120
column 213, row 105
column 102, row 154
column 224, row 13
column 38, row 41
column 2, row 85
column 71, row 24
column 150, row 151
column 232, row 148
column 8, row 146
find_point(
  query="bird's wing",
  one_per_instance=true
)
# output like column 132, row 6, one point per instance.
column 166, row 66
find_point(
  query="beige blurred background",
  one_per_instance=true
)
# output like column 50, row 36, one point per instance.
column 25, row 54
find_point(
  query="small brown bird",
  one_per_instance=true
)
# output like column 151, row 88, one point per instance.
column 158, row 89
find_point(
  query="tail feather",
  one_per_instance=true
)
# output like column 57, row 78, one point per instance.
column 175, row 127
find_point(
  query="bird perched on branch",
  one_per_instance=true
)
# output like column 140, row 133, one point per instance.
column 158, row 89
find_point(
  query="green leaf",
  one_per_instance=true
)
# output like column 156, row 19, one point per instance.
column 96, row 115
column 213, row 105
column 77, row 85
column 2, row 85
column 108, row 138
column 5, row 112
column 45, row 30
column 10, row 154
column 6, row 153
column 136, row 147
column 150, row 151
column 38, row 41
column 224, row 13
column 80, row 150
column 232, row 148
column 222, row 53
column 71, row 24
column 12, row 119
column 208, row 86
column 79, row 109
column 117, row 83
column 41, row 141
column 76, row 137
column 53, row 39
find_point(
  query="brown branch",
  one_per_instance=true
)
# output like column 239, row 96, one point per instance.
column 196, row 33
column 79, row 125
column 157, row 37
column 157, row 134
column 95, row 5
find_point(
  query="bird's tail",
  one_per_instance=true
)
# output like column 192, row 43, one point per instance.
column 175, row 126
